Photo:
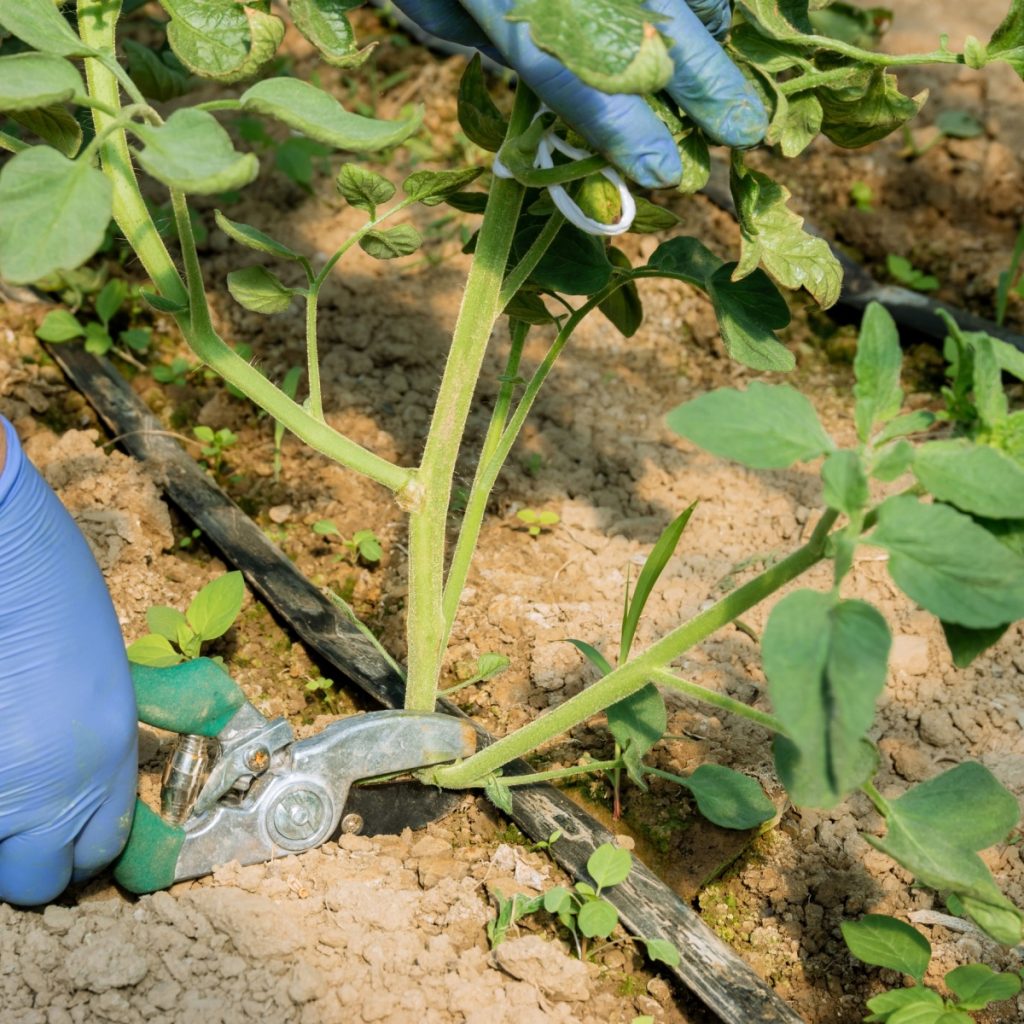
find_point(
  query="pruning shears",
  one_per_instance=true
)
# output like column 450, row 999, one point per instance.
column 239, row 786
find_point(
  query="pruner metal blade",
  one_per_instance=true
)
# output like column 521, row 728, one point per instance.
column 388, row 808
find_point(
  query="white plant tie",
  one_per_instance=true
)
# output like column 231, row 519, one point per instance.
column 569, row 209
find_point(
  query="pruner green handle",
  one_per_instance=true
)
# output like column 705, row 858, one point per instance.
column 196, row 697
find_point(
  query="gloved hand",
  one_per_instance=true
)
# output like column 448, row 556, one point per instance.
column 68, row 732
column 706, row 84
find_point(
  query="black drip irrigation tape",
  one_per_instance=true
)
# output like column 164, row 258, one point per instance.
column 913, row 312
column 648, row 907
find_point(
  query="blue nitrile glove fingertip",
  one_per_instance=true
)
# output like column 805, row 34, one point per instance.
column 743, row 123
column 658, row 166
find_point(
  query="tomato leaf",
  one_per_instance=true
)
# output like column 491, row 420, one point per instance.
column 55, row 214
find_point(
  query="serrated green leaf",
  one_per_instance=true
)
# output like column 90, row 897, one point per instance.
column 479, row 118
column 845, row 485
column 774, row 237
column 1007, row 42
column 975, row 478
column 32, row 80
column 110, row 298
column 637, row 722
column 325, row 25
column 609, row 865
column 770, row 55
column 650, row 217
column 768, row 426
column 989, row 397
column 59, row 325
column 216, row 606
column 391, row 243
column 362, row 188
column 597, row 919
column 778, row 19
column 884, row 941
column 623, row 308
column 260, row 291
column 977, row 985
column 883, row 1006
column 221, row 39
column 860, row 114
column 432, row 187
column 191, row 152
column 796, row 123
column 612, row 45
column 575, row 263
column 156, row 78
column 966, row 644
column 165, row 621
column 826, row 665
column 154, row 651
column 748, row 311
column 901, row 426
column 55, row 214
column 929, row 835
column 41, row 24
column 318, row 115
column 893, row 461
column 729, row 798
column 877, row 370
column 253, row 238
column 528, row 307
column 661, row 951
column 950, row 565
column 696, row 160
column 54, row 125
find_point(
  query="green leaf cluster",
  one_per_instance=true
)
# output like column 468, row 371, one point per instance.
column 175, row 637
column 884, row 941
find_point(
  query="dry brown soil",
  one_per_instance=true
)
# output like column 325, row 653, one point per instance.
column 392, row 929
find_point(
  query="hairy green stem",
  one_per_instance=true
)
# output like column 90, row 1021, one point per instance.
column 316, row 402
column 429, row 511
column 627, row 679
column 518, row 275
column 96, row 25
column 560, row 773
column 476, row 504
column 718, row 700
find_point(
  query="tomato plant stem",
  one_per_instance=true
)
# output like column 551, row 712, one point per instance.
column 476, row 503
column 428, row 516
column 630, row 677
column 96, row 25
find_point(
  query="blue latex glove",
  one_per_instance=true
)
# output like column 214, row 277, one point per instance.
column 706, row 84
column 68, row 732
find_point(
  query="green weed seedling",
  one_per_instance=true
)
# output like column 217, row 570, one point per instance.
column 213, row 445
column 1011, row 280
column 60, row 325
column 902, row 270
column 953, row 536
column 175, row 637
column 950, row 124
column 174, row 373
column 363, row 545
column 488, row 665
column 884, row 941
column 324, row 691
column 586, row 914
column 862, row 196
column 537, row 521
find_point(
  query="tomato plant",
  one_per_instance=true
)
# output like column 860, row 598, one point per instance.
column 953, row 536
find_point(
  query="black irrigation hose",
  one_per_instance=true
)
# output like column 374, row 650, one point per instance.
column 648, row 907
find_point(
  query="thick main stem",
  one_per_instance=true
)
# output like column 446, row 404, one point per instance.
column 628, row 678
column 425, row 624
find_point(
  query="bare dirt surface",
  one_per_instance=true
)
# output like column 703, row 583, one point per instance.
column 393, row 929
